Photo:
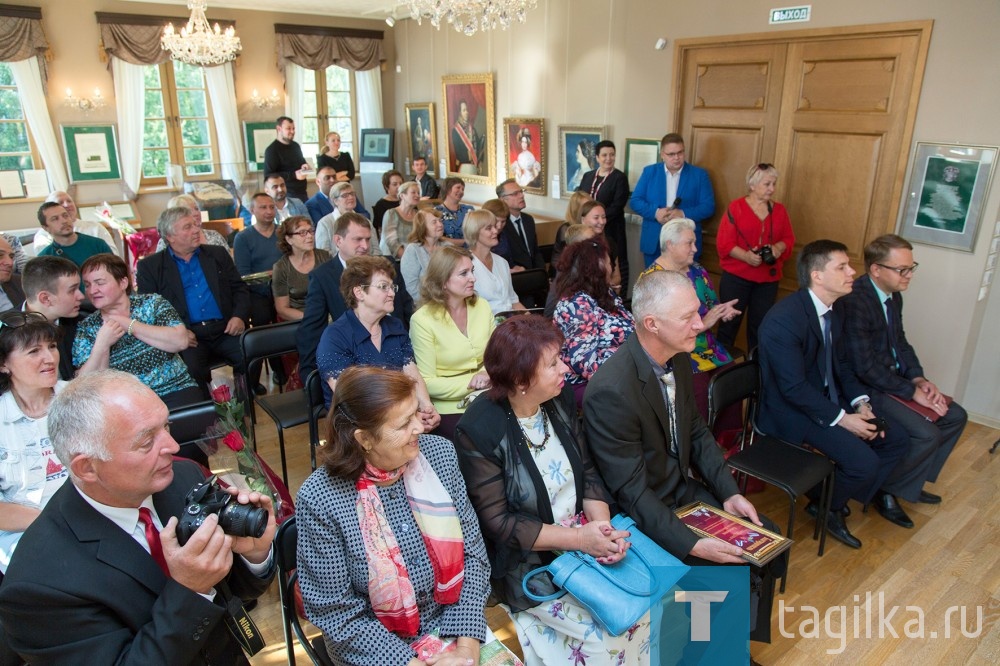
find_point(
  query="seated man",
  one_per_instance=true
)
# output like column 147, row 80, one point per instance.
column 202, row 284
column 87, row 227
column 320, row 204
column 66, row 242
column 284, row 205
column 52, row 288
column 885, row 362
column 646, row 437
column 11, row 293
column 810, row 395
column 100, row 577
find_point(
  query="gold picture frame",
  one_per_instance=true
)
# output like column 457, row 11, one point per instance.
column 524, row 153
column 421, row 134
column 759, row 545
column 470, row 131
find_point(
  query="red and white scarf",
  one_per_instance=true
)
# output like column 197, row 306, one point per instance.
column 389, row 587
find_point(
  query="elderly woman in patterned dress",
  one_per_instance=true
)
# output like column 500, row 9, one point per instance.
column 389, row 546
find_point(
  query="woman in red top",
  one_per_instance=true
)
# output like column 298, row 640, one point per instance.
column 754, row 240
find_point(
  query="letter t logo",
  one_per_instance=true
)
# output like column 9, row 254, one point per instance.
column 701, row 604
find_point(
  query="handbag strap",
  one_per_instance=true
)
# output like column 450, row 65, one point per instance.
column 535, row 597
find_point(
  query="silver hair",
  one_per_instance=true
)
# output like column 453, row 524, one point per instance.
column 755, row 174
column 651, row 294
column 76, row 417
column 338, row 189
column 168, row 218
column 54, row 196
column 183, row 201
column 671, row 231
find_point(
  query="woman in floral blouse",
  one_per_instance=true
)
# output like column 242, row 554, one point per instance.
column 589, row 313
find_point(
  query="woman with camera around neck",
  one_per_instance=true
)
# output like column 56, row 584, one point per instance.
column 754, row 240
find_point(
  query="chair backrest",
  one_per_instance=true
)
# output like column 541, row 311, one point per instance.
column 731, row 384
column 262, row 342
column 285, row 544
column 530, row 282
column 317, row 407
column 189, row 423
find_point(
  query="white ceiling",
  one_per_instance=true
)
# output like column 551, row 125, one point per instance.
column 369, row 9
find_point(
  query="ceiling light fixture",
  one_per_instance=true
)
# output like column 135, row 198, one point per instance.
column 390, row 20
column 470, row 16
column 197, row 43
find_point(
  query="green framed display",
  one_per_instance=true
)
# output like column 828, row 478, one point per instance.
column 257, row 136
column 91, row 152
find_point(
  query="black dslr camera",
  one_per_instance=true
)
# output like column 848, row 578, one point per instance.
column 235, row 519
column 766, row 255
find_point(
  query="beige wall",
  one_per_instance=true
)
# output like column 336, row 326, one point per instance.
column 593, row 62
column 74, row 38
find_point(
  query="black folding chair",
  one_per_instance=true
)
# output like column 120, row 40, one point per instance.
column 317, row 410
column 531, row 286
column 285, row 545
column 791, row 468
column 189, row 424
column 288, row 409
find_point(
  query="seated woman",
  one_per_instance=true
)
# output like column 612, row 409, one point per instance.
column 290, row 277
column 589, row 313
column 30, row 472
column 424, row 240
column 366, row 335
column 453, row 211
column 209, row 237
column 389, row 546
column 492, row 271
column 398, row 222
column 502, row 213
column 592, row 214
column 449, row 334
column 536, row 492
column 140, row 334
column 677, row 250
column 576, row 200
column 391, row 180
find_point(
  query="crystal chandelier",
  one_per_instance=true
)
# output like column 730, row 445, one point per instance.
column 468, row 16
column 197, row 43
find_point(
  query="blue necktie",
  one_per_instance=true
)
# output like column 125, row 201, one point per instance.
column 831, row 382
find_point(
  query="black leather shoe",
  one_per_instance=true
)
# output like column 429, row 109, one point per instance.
column 813, row 510
column 836, row 528
column 889, row 508
column 929, row 498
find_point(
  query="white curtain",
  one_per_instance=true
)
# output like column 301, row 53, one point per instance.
column 130, row 95
column 28, row 78
column 222, row 91
column 295, row 85
column 369, row 84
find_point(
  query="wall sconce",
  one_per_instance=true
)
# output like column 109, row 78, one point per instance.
column 264, row 103
column 85, row 104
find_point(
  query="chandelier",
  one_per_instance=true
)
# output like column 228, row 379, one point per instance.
column 468, row 16
column 197, row 43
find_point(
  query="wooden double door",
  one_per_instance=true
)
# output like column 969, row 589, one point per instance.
column 833, row 110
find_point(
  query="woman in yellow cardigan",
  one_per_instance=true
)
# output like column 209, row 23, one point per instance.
column 449, row 334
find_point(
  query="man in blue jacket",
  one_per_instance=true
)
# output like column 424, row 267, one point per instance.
column 671, row 190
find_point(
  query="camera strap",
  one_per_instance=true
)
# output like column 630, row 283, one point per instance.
column 240, row 623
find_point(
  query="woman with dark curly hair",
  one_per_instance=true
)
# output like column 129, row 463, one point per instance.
column 589, row 313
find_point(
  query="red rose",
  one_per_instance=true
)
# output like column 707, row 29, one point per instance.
column 221, row 393
column 233, row 440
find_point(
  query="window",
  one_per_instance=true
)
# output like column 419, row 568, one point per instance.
column 179, row 128
column 329, row 106
column 17, row 151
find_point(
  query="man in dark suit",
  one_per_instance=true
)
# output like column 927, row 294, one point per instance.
column 885, row 361
column 203, row 285
column 352, row 235
column 52, row 288
column 319, row 205
column 645, row 450
column 91, row 580
column 520, row 230
column 810, row 395
column 670, row 190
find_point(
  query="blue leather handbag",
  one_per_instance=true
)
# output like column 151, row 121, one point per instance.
column 617, row 595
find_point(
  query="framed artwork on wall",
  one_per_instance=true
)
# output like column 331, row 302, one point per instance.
column 258, row 136
column 91, row 152
column 577, row 153
column 524, row 151
column 421, row 135
column 639, row 154
column 470, row 132
column 947, row 189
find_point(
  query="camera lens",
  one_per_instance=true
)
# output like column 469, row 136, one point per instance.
column 242, row 520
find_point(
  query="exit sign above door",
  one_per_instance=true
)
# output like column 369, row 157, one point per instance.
column 790, row 14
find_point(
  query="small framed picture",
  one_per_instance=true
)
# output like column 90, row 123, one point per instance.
column 577, row 153
column 91, row 152
column 639, row 154
column 258, row 137
column 524, row 147
column 947, row 189
column 421, row 133
column 470, row 128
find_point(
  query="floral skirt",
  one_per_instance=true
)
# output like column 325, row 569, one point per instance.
column 563, row 632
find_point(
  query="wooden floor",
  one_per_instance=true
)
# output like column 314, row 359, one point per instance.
column 951, row 559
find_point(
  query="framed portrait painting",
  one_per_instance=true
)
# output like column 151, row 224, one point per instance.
column 947, row 189
column 524, row 150
column 577, row 154
column 470, row 133
column 421, row 135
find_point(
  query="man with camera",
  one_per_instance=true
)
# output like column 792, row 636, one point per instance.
column 810, row 394
column 101, row 577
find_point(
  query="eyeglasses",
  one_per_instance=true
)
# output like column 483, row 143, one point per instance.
column 677, row 154
column 383, row 286
column 510, row 194
column 17, row 319
column 344, row 195
column 304, row 232
column 904, row 271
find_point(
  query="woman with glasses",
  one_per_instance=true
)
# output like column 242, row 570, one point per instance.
column 754, row 240
column 344, row 200
column 30, row 472
column 492, row 271
column 290, row 278
column 366, row 334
